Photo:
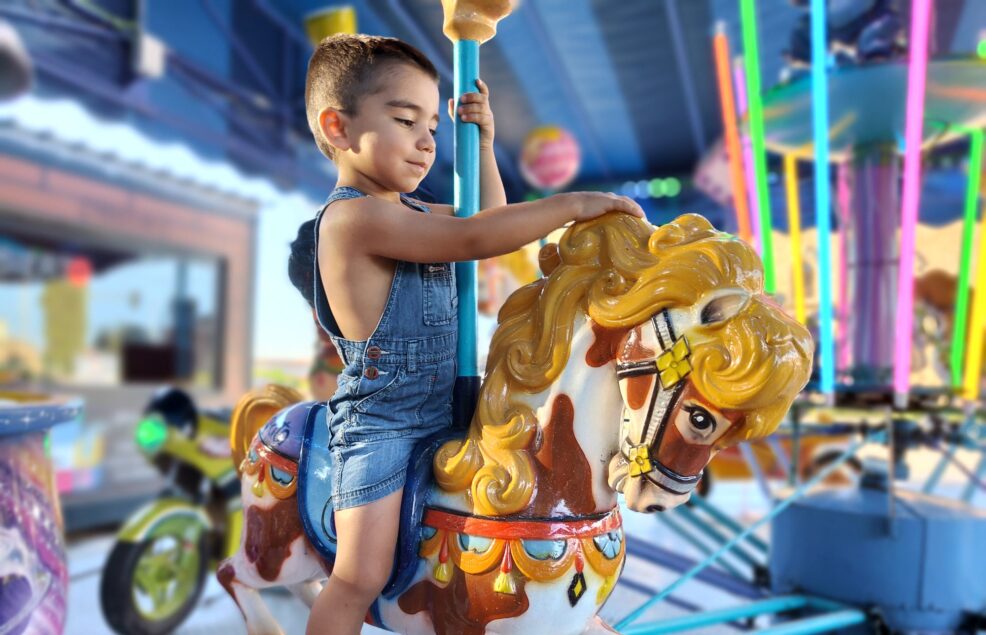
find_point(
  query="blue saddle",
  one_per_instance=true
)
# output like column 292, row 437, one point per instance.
column 315, row 469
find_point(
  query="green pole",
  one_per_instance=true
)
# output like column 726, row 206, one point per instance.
column 751, row 51
column 965, row 264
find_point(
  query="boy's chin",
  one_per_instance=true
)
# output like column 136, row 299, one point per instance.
column 411, row 185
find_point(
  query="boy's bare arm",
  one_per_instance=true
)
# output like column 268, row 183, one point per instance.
column 491, row 192
column 371, row 226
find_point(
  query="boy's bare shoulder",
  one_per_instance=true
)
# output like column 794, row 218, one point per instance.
column 436, row 208
column 347, row 218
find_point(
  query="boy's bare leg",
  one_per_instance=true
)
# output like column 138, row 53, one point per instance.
column 364, row 560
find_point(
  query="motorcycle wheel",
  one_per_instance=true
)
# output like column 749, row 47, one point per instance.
column 150, row 587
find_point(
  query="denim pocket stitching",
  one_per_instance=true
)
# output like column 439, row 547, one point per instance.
column 393, row 384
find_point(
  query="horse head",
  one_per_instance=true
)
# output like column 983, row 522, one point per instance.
column 716, row 363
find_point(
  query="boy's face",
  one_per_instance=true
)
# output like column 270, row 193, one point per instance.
column 391, row 137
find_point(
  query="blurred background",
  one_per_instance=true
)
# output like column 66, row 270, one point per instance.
column 155, row 162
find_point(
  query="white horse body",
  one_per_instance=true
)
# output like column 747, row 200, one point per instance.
column 598, row 404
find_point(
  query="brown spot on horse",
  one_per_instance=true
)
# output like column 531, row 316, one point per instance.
column 269, row 534
column 564, row 477
column 605, row 346
column 467, row 604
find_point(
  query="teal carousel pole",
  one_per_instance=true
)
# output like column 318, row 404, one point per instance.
column 468, row 24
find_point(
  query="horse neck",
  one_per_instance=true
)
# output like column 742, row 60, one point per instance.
column 579, row 418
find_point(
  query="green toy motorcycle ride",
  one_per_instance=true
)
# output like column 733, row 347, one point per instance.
column 156, row 570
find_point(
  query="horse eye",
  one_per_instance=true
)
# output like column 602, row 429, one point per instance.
column 701, row 419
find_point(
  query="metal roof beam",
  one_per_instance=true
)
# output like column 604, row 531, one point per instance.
column 685, row 72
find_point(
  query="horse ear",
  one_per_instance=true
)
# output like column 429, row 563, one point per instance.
column 549, row 258
column 724, row 307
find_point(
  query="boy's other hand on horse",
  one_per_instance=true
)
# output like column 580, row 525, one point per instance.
column 475, row 108
column 589, row 205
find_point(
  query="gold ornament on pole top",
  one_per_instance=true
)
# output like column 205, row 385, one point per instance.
column 474, row 19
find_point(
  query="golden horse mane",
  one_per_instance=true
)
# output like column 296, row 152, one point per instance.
column 252, row 411
column 620, row 270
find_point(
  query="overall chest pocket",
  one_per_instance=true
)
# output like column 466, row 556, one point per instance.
column 439, row 296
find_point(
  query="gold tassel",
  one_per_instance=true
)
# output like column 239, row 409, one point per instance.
column 505, row 582
column 443, row 572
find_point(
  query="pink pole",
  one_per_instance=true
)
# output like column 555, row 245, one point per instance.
column 739, row 75
column 845, row 336
column 910, row 202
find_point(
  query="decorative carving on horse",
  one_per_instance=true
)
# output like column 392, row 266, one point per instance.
column 641, row 353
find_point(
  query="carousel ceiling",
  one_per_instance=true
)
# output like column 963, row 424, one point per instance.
column 631, row 80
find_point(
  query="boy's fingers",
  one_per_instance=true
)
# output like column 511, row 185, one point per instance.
column 635, row 208
column 483, row 88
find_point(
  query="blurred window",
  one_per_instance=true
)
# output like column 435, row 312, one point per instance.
column 79, row 317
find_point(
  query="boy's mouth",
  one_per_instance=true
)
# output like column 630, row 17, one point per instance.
column 418, row 164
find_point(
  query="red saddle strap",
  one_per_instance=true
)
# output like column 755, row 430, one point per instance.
column 523, row 528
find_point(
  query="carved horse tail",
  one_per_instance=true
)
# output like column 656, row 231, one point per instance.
column 252, row 567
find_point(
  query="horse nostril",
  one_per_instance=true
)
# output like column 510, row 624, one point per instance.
column 655, row 508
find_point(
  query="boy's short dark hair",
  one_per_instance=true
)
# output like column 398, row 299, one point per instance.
column 344, row 68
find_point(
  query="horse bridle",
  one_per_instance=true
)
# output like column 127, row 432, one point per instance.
column 671, row 366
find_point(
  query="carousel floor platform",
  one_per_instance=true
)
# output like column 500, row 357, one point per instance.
column 742, row 500
column 216, row 612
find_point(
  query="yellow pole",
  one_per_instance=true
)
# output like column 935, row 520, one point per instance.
column 794, row 223
column 974, row 354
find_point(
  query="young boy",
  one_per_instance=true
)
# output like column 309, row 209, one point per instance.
column 383, row 286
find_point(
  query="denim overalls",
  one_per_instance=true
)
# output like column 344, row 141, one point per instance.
column 396, row 387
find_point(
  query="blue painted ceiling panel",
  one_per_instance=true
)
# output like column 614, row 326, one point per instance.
column 517, row 41
column 572, row 30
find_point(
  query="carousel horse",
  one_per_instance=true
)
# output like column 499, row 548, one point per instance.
column 641, row 353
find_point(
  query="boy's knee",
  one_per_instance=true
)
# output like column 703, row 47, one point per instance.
column 367, row 585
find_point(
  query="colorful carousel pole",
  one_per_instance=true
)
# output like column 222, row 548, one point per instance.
column 751, row 52
column 823, row 212
column 749, row 171
column 974, row 354
column 734, row 151
column 916, row 77
column 794, row 226
column 468, row 24
column 965, row 264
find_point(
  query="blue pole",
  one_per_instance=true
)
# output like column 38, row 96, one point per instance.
column 723, row 519
column 685, row 533
column 823, row 216
column 668, row 559
column 779, row 455
column 754, row 465
column 466, row 144
column 817, row 624
column 689, row 515
column 971, row 486
column 730, row 614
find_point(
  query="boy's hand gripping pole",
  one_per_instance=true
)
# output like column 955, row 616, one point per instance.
column 468, row 23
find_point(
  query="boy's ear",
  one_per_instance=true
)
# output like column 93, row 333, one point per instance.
column 333, row 125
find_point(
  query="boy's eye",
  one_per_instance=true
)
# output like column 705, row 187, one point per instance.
column 404, row 122
column 434, row 132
